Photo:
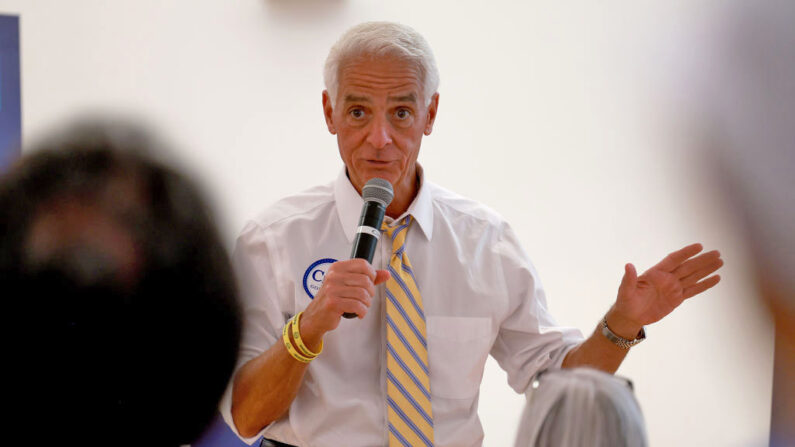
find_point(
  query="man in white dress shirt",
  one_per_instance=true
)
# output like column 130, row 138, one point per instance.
column 481, row 295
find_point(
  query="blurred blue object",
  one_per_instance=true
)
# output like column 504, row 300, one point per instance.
column 10, row 110
column 219, row 434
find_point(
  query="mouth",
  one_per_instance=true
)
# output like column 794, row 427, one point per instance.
column 378, row 162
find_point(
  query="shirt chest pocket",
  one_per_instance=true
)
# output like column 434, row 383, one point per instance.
column 457, row 348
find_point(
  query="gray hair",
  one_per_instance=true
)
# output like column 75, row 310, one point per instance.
column 378, row 39
column 581, row 406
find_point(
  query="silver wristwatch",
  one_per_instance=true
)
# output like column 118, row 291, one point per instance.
column 620, row 341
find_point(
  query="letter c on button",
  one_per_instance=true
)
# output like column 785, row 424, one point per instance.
column 315, row 273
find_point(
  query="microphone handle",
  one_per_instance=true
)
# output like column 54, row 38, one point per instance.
column 365, row 242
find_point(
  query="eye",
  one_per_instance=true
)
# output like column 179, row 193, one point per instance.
column 402, row 113
column 357, row 113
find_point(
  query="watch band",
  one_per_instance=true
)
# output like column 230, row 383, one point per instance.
column 621, row 342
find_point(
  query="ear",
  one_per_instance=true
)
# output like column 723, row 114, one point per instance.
column 328, row 112
column 432, row 108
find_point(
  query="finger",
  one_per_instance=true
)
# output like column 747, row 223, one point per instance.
column 702, row 286
column 354, row 293
column 360, row 281
column 701, row 273
column 630, row 279
column 360, row 266
column 698, row 263
column 673, row 260
column 381, row 276
column 337, row 292
column 352, row 306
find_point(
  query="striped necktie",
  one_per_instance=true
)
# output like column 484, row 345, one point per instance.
column 408, row 384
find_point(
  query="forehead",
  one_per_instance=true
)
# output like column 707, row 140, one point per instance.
column 380, row 76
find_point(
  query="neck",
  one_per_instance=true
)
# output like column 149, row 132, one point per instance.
column 404, row 195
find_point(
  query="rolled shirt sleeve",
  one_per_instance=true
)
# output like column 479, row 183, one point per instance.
column 529, row 339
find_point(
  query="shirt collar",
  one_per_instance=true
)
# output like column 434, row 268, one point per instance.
column 349, row 205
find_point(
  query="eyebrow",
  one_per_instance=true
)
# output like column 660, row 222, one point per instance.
column 403, row 98
column 354, row 98
column 411, row 97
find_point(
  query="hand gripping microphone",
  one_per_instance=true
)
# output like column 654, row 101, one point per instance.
column 377, row 194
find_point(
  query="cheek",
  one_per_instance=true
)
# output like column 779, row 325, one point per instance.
column 409, row 142
column 348, row 141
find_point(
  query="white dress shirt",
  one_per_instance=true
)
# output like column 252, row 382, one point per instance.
column 481, row 296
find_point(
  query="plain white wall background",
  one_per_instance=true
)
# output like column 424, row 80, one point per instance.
column 555, row 116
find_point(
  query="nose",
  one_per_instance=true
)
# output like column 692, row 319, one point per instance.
column 379, row 133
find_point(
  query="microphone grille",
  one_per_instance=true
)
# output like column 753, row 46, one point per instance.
column 378, row 190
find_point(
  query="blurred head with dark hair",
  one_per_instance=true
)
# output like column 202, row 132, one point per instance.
column 121, row 305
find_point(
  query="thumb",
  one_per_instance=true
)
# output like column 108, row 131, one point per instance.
column 381, row 276
column 630, row 279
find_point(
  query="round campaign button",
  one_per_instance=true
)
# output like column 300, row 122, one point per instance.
column 313, row 277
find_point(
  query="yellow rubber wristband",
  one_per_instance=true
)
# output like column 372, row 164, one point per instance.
column 289, row 345
column 299, row 342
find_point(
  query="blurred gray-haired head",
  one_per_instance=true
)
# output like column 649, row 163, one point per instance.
column 579, row 407
column 382, row 39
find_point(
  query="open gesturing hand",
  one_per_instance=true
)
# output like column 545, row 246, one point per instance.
column 648, row 298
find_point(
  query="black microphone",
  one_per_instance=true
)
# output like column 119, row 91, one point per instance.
column 377, row 194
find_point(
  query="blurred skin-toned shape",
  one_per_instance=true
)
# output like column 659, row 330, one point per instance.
column 742, row 89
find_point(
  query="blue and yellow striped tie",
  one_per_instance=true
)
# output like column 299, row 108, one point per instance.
column 408, row 384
